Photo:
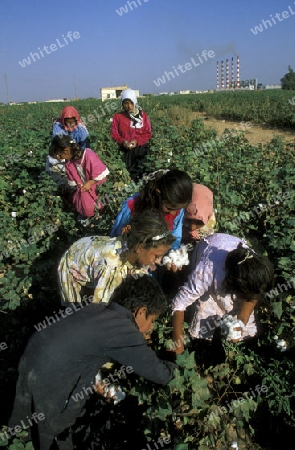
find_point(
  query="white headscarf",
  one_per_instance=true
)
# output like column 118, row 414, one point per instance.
column 136, row 115
column 130, row 95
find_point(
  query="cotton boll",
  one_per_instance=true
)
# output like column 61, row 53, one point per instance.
column 282, row 345
column 119, row 396
column 166, row 260
column 228, row 325
column 178, row 257
column 98, row 377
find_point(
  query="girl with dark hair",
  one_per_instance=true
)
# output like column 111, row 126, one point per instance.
column 100, row 263
column 224, row 286
column 85, row 171
column 167, row 191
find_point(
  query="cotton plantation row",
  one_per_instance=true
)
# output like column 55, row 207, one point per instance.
column 37, row 226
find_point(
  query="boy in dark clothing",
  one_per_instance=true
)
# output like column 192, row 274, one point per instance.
column 63, row 359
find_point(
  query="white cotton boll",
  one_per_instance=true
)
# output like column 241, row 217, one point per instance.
column 178, row 257
column 228, row 325
column 177, row 261
column 98, row 377
column 282, row 345
column 112, row 390
column 111, row 119
column 166, row 260
column 170, row 153
column 119, row 395
column 13, row 214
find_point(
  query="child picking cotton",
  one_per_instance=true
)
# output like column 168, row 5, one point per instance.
column 225, row 284
column 68, row 124
column 199, row 218
column 62, row 361
column 85, row 172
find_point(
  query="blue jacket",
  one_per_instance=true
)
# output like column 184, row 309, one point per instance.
column 80, row 134
column 124, row 216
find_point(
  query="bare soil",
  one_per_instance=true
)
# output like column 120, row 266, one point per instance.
column 255, row 134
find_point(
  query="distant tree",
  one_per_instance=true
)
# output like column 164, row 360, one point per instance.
column 288, row 80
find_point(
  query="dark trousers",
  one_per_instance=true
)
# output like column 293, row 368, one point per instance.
column 135, row 160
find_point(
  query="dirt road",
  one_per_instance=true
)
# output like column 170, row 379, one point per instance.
column 255, row 134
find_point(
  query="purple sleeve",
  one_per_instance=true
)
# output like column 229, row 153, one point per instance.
column 199, row 281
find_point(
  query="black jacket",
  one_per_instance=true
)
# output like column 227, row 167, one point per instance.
column 64, row 358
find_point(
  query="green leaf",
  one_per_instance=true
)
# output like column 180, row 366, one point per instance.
column 181, row 447
column 277, row 308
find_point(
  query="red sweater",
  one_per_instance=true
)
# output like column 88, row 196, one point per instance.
column 123, row 129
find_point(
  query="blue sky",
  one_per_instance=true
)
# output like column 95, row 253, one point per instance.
column 139, row 45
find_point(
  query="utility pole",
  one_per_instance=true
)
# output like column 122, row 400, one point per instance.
column 7, row 91
column 75, row 88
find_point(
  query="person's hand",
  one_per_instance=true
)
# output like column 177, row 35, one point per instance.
column 173, row 267
column 86, row 187
column 109, row 392
column 133, row 144
column 237, row 330
column 153, row 265
column 99, row 388
column 179, row 349
column 126, row 144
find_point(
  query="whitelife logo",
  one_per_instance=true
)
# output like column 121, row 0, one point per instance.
column 53, row 47
column 131, row 5
column 267, row 23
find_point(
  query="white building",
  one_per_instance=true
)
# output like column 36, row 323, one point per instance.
column 273, row 86
column 112, row 92
column 58, row 100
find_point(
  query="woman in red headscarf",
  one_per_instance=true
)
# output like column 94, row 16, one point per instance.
column 68, row 124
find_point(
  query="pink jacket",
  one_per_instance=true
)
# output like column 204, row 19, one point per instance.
column 79, row 171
